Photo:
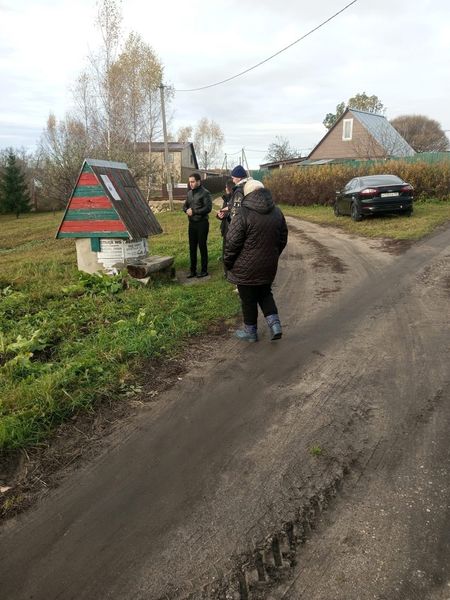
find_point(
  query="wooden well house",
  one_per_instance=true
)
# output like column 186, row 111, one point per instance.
column 110, row 221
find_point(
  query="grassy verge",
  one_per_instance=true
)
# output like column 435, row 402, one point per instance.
column 67, row 340
column 427, row 216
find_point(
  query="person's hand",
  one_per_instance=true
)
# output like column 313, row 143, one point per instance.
column 220, row 214
column 189, row 212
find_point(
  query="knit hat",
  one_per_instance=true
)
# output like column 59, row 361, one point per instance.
column 239, row 171
column 252, row 185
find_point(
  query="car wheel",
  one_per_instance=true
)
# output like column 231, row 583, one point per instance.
column 355, row 212
column 337, row 212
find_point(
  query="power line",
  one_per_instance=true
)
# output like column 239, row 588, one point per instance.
column 253, row 150
column 204, row 87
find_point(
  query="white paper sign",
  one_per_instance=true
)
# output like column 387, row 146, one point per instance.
column 107, row 181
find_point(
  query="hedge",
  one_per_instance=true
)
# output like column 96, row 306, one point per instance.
column 307, row 185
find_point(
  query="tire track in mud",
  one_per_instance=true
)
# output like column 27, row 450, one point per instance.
column 404, row 421
column 301, row 492
column 319, row 265
column 275, row 558
column 249, row 489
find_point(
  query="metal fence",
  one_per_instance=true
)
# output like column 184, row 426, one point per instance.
column 428, row 157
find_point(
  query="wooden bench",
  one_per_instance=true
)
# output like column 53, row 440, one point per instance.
column 153, row 267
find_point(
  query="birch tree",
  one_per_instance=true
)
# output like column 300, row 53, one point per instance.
column 208, row 140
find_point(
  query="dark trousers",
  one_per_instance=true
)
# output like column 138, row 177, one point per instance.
column 254, row 295
column 198, row 236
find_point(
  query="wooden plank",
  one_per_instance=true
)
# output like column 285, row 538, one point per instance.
column 91, row 226
column 90, row 202
column 88, row 179
column 95, row 244
column 150, row 265
column 94, row 234
column 88, row 190
column 92, row 215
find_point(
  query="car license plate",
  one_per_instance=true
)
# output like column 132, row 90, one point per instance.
column 389, row 194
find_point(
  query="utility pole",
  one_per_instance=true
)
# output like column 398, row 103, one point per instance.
column 166, row 149
column 244, row 159
column 225, row 163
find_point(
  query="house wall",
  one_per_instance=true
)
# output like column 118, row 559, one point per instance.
column 187, row 159
column 182, row 164
column 185, row 172
column 187, row 164
column 362, row 144
column 175, row 164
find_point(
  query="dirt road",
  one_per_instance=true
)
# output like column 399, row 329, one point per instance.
column 316, row 467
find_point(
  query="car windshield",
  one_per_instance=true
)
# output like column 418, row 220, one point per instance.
column 381, row 180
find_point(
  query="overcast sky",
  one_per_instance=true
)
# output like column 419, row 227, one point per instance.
column 396, row 49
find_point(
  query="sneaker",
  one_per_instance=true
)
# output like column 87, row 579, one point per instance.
column 191, row 275
column 246, row 336
column 203, row 274
column 275, row 331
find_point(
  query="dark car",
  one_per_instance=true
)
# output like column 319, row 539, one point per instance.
column 373, row 195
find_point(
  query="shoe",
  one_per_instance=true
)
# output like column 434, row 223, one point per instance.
column 203, row 274
column 246, row 336
column 273, row 321
column 192, row 275
column 275, row 331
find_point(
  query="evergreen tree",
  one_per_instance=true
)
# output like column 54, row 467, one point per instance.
column 14, row 194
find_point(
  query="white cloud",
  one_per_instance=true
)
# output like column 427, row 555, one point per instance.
column 389, row 48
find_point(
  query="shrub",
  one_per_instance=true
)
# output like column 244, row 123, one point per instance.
column 308, row 185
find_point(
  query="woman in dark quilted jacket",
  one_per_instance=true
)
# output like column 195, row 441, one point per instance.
column 256, row 237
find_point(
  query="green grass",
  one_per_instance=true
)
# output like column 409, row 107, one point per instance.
column 67, row 340
column 426, row 217
column 316, row 450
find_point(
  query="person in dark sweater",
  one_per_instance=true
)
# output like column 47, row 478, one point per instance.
column 197, row 206
column 256, row 237
column 239, row 177
column 224, row 213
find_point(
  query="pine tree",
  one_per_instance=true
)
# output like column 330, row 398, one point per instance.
column 14, row 194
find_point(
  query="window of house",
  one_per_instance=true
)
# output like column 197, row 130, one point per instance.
column 347, row 129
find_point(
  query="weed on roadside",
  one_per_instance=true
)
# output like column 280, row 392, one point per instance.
column 316, row 450
column 68, row 339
